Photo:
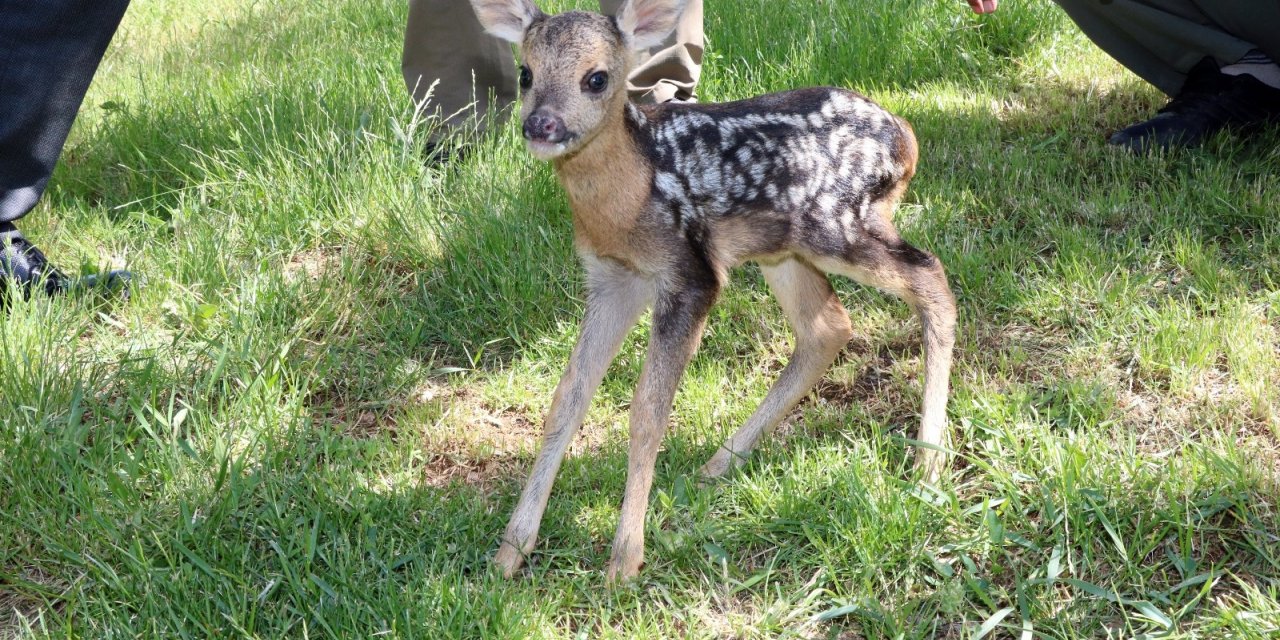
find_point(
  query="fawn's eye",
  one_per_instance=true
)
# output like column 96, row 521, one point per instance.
column 526, row 77
column 596, row 82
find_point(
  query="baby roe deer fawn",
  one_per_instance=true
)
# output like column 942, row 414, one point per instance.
column 667, row 199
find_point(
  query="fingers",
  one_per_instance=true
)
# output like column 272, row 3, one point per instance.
column 983, row 6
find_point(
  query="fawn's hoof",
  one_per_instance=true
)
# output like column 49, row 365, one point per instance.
column 508, row 560
column 715, row 468
column 720, row 465
column 623, row 571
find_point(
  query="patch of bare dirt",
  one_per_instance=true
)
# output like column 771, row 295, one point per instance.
column 447, row 468
column 359, row 421
column 1163, row 421
column 481, row 445
column 311, row 264
column 483, row 450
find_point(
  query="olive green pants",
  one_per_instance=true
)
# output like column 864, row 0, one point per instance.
column 460, row 71
column 1160, row 40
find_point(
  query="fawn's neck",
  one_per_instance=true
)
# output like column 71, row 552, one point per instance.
column 608, row 182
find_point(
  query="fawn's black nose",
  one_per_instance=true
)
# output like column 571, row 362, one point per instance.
column 544, row 127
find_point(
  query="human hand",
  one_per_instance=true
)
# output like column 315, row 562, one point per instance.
column 983, row 6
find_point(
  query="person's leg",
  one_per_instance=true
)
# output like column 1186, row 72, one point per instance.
column 669, row 71
column 1254, row 21
column 1161, row 40
column 1210, row 56
column 472, row 72
column 49, row 52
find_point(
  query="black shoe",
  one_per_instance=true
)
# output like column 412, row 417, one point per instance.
column 1209, row 102
column 23, row 264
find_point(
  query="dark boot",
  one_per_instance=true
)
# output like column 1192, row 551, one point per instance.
column 22, row 264
column 1209, row 102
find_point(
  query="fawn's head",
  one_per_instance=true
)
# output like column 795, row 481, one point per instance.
column 573, row 75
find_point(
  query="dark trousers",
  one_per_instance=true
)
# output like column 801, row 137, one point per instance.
column 1160, row 40
column 49, row 51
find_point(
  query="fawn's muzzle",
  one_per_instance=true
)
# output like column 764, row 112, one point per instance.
column 543, row 127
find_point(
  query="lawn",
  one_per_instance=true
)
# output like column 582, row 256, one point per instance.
column 313, row 416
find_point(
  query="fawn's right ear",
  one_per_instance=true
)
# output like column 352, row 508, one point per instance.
column 506, row 19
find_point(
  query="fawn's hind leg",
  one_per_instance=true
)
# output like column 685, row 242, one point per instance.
column 821, row 325
column 881, row 259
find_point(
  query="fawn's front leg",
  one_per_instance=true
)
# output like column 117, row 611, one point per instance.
column 616, row 297
column 678, row 318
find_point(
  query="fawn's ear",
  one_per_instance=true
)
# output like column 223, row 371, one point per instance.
column 506, row 19
column 647, row 23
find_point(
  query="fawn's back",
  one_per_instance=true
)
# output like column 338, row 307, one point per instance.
column 802, row 170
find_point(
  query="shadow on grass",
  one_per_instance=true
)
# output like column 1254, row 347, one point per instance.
column 869, row 46
column 242, row 88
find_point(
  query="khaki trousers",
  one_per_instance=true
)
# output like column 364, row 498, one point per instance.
column 473, row 72
column 1160, row 40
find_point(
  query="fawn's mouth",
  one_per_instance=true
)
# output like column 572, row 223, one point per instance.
column 546, row 149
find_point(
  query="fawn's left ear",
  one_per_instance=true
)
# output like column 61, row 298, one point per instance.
column 506, row 19
column 647, row 23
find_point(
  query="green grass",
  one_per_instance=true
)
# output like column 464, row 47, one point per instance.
column 316, row 413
